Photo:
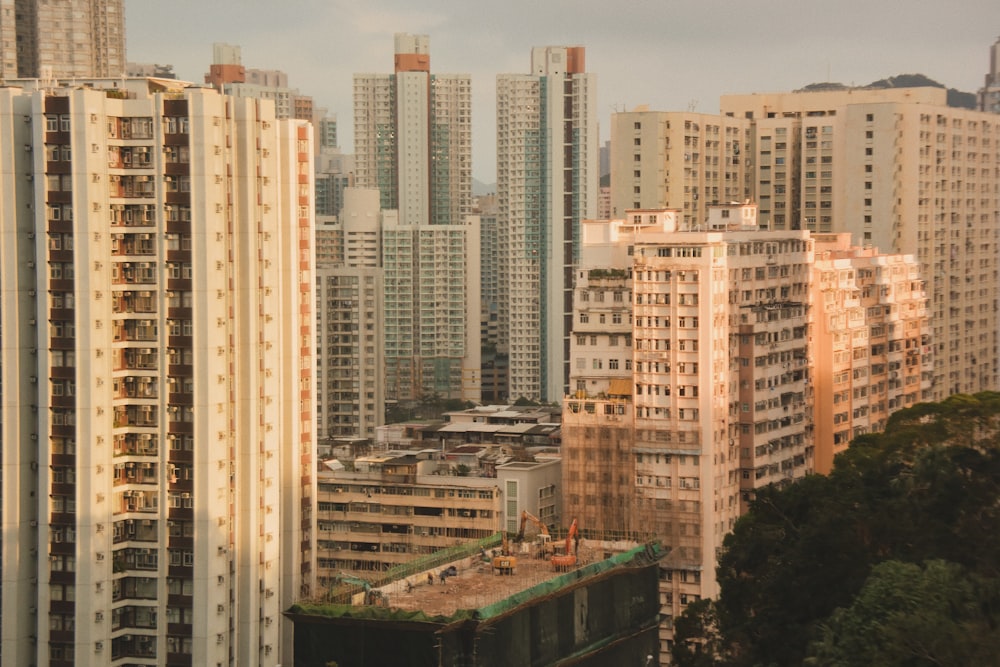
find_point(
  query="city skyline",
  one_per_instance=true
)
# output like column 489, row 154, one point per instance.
column 625, row 46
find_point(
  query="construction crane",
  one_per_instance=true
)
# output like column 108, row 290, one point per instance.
column 563, row 562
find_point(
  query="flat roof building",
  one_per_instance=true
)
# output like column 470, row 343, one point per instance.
column 604, row 612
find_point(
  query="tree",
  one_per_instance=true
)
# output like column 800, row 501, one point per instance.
column 696, row 639
column 906, row 614
column 923, row 490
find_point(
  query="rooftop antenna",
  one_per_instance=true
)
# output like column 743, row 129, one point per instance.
column 692, row 105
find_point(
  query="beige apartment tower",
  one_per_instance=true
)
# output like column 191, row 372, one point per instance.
column 901, row 171
column 708, row 398
column 62, row 39
column 547, row 183
column 871, row 342
column 350, row 333
column 413, row 142
column 688, row 161
column 158, row 335
column 710, row 363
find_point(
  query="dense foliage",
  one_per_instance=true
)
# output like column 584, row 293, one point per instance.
column 892, row 559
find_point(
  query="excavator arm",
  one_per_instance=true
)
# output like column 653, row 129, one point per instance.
column 528, row 516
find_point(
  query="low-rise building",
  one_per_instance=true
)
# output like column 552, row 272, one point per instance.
column 387, row 508
column 462, row 613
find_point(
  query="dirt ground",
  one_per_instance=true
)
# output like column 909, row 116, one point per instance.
column 476, row 585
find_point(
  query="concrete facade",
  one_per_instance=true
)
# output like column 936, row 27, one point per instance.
column 989, row 94
column 393, row 507
column 62, row 40
column 157, row 408
column 603, row 613
column 682, row 160
column 412, row 134
column 710, row 363
column 871, row 342
column 228, row 75
column 547, row 182
column 715, row 399
column 350, row 334
column 903, row 172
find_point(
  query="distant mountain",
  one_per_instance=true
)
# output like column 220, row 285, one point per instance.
column 480, row 188
column 956, row 98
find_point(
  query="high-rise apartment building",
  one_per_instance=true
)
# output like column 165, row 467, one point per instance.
column 711, row 360
column 62, row 38
column 677, row 159
column 158, row 335
column 431, row 301
column 989, row 94
column 334, row 169
column 8, row 40
column 678, row 417
column 902, row 171
column 412, row 134
column 547, row 183
column 413, row 137
column 228, row 75
column 871, row 342
column 494, row 362
column 350, row 339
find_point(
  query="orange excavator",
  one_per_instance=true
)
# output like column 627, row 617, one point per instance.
column 544, row 539
column 504, row 563
column 543, row 530
column 563, row 562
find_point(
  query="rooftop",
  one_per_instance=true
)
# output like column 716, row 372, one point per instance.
column 476, row 588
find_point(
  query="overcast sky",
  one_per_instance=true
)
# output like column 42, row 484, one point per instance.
column 669, row 54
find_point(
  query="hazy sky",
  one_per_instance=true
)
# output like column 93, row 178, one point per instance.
column 669, row 54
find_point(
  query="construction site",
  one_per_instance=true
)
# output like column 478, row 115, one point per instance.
column 495, row 604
